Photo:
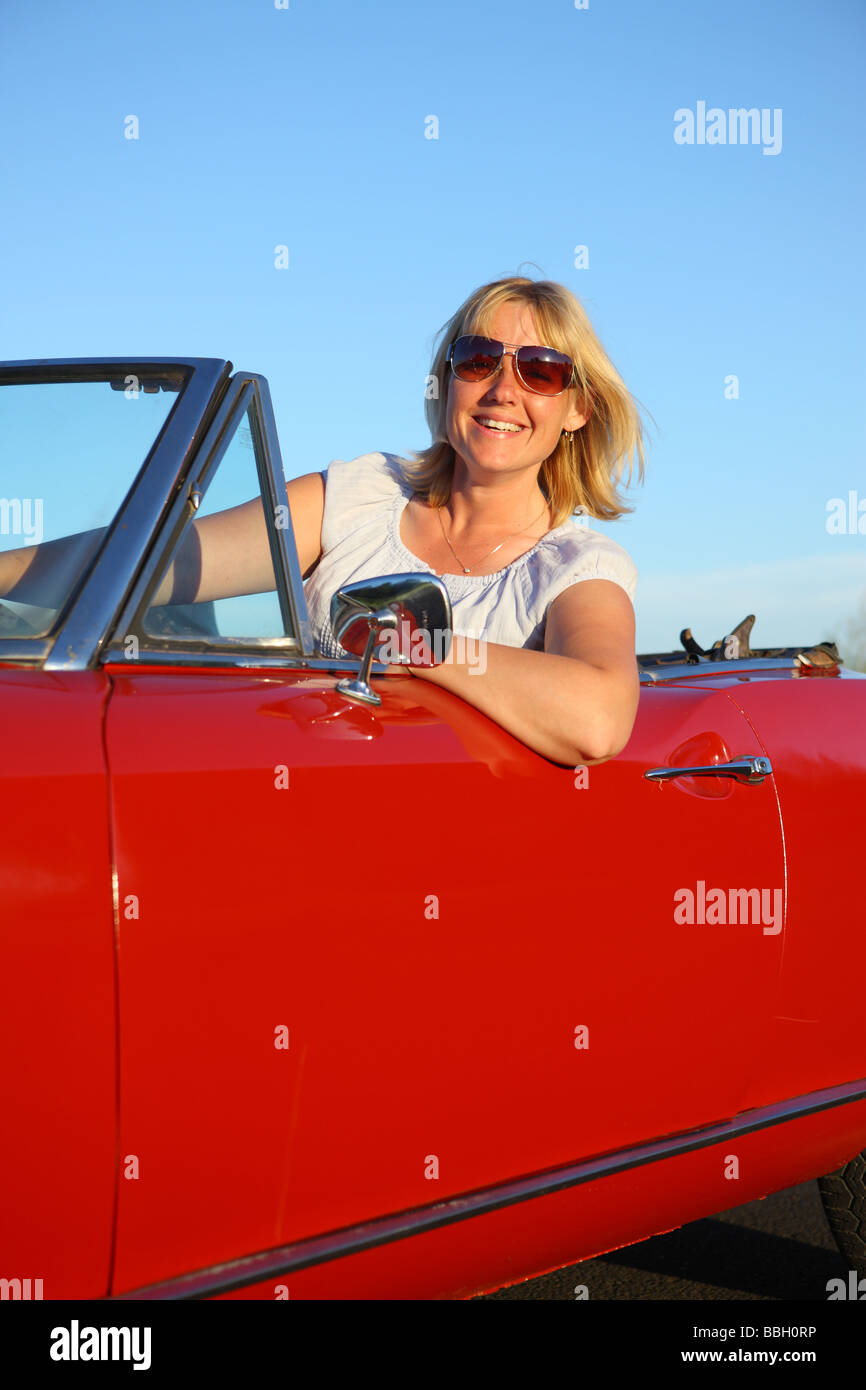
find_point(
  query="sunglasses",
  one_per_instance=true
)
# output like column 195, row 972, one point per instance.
column 540, row 369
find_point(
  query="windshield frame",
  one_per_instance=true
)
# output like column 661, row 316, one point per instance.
column 245, row 392
column 85, row 620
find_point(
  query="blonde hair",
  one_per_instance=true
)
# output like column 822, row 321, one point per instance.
column 582, row 472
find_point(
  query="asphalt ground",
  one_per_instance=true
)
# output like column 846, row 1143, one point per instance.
column 776, row 1248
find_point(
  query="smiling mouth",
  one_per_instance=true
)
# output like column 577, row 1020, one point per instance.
column 503, row 432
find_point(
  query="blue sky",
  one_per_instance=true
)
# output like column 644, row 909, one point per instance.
column 305, row 127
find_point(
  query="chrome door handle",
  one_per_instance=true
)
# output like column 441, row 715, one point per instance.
column 751, row 770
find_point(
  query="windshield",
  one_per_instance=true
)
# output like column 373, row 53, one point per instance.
column 69, row 453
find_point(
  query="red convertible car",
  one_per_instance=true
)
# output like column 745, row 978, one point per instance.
column 316, row 983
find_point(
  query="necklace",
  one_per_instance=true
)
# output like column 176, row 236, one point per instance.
column 467, row 568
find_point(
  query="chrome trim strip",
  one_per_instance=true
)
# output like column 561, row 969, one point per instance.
column 684, row 670
column 28, row 369
column 238, row 1274
column 192, row 660
column 86, row 627
column 17, row 651
column 286, row 561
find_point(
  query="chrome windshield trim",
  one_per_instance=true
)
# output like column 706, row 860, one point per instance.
column 78, row 640
column 91, row 368
column 268, row 1264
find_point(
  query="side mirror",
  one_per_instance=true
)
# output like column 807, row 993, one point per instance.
column 409, row 615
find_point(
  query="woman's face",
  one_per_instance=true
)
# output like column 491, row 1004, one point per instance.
column 504, row 397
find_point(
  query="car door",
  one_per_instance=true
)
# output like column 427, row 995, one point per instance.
column 373, row 957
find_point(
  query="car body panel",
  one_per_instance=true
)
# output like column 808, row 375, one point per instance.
column 415, row 1039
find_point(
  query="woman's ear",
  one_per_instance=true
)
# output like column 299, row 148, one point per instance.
column 580, row 412
column 574, row 420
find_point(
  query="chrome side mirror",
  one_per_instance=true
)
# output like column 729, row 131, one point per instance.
column 408, row 614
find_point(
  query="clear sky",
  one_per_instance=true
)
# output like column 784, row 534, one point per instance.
column 307, row 126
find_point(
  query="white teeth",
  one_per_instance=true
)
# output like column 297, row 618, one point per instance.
column 499, row 425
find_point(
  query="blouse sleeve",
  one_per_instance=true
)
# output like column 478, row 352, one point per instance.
column 604, row 558
column 355, row 492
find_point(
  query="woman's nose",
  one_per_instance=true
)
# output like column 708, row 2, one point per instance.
column 505, row 377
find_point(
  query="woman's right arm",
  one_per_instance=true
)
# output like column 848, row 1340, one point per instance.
column 234, row 556
column 222, row 556
column 44, row 574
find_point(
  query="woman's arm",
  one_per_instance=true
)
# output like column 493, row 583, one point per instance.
column 44, row 574
column 576, row 701
column 221, row 556
column 228, row 554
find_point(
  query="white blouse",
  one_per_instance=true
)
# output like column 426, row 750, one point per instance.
column 364, row 500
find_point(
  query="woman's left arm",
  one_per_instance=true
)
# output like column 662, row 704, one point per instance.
column 576, row 701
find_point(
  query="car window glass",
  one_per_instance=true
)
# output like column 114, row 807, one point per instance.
column 246, row 617
column 70, row 452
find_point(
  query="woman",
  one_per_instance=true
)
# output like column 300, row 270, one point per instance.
column 523, row 435
column 521, row 439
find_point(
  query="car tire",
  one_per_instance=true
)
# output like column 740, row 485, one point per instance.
column 843, row 1194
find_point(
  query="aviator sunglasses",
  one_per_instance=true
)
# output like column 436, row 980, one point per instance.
column 541, row 369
